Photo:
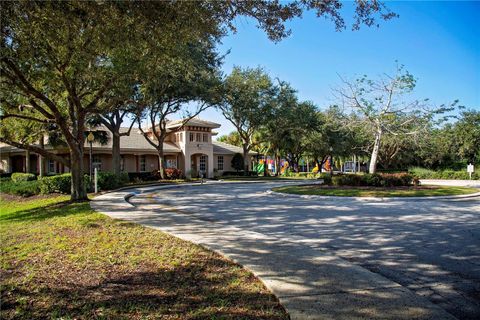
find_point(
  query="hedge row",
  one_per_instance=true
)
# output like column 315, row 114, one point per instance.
column 18, row 177
column 375, row 180
column 423, row 173
column 59, row 184
column 109, row 180
column 22, row 188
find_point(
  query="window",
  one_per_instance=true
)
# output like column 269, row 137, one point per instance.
column 198, row 137
column 143, row 163
column 174, row 138
column 220, row 163
column 171, row 163
column 191, row 136
column 181, row 136
column 122, row 163
column 51, row 166
column 97, row 162
column 203, row 164
column 205, row 137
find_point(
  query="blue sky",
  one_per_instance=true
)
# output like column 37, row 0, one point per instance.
column 438, row 42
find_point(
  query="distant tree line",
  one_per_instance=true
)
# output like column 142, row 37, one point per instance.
column 375, row 120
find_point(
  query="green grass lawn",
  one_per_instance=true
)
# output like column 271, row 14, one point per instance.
column 62, row 260
column 262, row 178
column 421, row 191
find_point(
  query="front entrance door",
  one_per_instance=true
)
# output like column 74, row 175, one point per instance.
column 203, row 165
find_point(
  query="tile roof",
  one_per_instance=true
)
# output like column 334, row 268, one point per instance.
column 135, row 141
column 193, row 122
column 225, row 148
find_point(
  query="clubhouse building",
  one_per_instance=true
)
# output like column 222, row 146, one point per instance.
column 188, row 147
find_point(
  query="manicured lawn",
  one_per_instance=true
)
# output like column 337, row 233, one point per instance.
column 62, row 260
column 262, row 178
column 421, row 191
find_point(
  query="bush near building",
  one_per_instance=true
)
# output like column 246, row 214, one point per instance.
column 21, row 188
column 22, row 184
column 375, row 180
column 19, row 176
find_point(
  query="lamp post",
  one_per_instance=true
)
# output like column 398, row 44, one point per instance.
column 90, row 139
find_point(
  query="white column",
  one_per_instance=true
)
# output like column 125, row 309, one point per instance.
column 188, row 166
column 210, row 165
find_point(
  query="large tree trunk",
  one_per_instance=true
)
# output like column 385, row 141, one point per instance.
column 277, row 165
column 376, row 149
column 265, row 160
column 161, row 162
column 246, row 160
column 76, row 166
column 41, row 161
column 27, row 161
column 116, row 152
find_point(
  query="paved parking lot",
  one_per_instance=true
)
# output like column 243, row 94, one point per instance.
column 431, row 247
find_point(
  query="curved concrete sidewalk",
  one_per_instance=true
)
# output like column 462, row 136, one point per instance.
column 313, row 285
column 456, row 183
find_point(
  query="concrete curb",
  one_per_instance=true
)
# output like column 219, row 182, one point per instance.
column 316, row 286
column 378, row 199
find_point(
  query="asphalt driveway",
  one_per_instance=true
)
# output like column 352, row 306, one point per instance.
column 431, row 247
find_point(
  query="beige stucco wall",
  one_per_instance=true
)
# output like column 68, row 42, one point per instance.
column 227, row 162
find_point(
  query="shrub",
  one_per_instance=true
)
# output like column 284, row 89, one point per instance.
column 173, row 173
column 21, row 188
column 423, row 173
column 19, row 176
column 143, row 176
column 237, row 162
column 60, row 183
column 396, row 179
column 349, row 180
column 288, row 172
column 327, row 178
column 108, row 180
column 375, row 180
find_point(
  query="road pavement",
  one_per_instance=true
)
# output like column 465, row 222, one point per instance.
column 329, row 258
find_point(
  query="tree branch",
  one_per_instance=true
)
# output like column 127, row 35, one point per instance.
column 36, row 149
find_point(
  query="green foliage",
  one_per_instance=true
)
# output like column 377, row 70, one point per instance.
column 375, row 192
column 59, row 183
column 18, row 177
column 237, row 162
column 248, row 101
column 232, row 138
column 423, row 173
column 327, row 177
column 375, row 180
column 20, row 188
column 109, row 180
column 239, row 174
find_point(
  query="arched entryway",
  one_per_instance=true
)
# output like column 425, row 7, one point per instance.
column 199, row 165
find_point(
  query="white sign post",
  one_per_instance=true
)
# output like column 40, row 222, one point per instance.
column 96, row 180
column 470, row 170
